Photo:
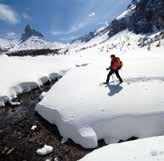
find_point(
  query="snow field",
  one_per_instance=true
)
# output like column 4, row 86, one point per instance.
column 86, row 111
column 81, row 107
column 149, row 149
column 22, row 74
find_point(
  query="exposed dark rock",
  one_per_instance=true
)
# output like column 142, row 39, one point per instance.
column 2, row 50
column 147, row 15
column 143, row 17
column 28, row 32
column 35, row 52
column 19, row 143
column 117, row 26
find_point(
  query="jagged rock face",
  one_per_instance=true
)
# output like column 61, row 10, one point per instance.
column 142, row 19
column 28, row 32
column 147, row 15
column 117, row 26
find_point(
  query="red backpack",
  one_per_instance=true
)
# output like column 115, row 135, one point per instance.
column 118, row 64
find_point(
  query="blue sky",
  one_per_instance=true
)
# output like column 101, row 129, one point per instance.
column 58, row 20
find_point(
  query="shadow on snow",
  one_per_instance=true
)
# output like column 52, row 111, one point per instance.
column 114, row 89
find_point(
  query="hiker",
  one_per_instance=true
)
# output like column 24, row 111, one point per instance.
column 114, row 68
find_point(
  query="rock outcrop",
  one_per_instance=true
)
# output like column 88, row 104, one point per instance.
column 29, row 32
column 144, row 16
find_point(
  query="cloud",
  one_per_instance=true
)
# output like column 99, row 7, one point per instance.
column 55, row 33
column 9, row 34
column 7, row 14
column 68, row 38
column 26, row 16
column 92, row 14
column 76, row 27
column 79, row 26
column 73, row 29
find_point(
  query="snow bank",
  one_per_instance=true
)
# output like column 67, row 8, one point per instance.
column 46, row 149
column 150, row 149
column 22, row 74
column 86, row 111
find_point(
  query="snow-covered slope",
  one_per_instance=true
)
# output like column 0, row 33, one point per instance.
column 90, row 111
column 121, row 42
column 118, row 8
column 79, row 104
column 35, row 42
column 151, row 149
column 140, row 17
column 19, row 74
column 6, row 44
column 126, row 12
column 87, row 111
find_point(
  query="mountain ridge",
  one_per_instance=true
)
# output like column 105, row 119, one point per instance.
column 141, row 17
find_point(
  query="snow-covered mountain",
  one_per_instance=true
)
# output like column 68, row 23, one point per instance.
column 140, row 17
column 31, row 39
column 144, row 16
column 35, row 42
column 6, row 44
column 137, row 18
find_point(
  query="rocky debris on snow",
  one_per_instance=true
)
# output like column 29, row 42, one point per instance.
column 149, row 40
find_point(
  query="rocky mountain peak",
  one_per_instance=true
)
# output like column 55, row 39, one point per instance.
column 28, row 32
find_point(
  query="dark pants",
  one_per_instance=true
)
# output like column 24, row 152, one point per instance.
column 116, row 72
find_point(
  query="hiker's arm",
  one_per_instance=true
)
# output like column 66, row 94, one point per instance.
column 108, row 68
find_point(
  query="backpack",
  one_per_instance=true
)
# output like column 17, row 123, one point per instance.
column 121, row 64
column 118, row 64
